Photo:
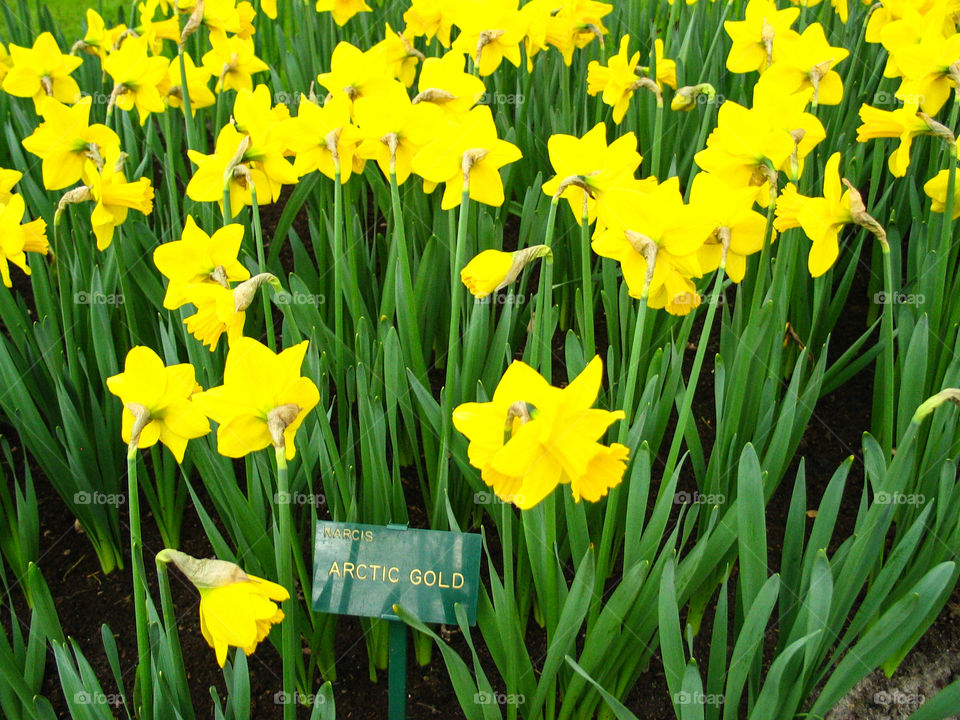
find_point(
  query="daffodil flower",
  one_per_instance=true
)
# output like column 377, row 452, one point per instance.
column 930, row 67
column 342, row 10
column 936, row 190
column 394, row 129
column 399, row 56
column 731, row 212
column 475, row 139
column 599, row 166
column 617, row 80
column 444, row 83
column 532, row 437
column 903, row 123
column 233, row 62
column 136, row 76
column 100, row 40
column 163, row 398
column 238, row 164
column 493, row 270
column 808, row 61
column 429, row 18
column 354, row 72
column 16, row 239
column 114, row 197
column 199, row 258
column 324, row 139
column 42, row 70
column 656, row 239
column 8, row 178
column 263, row 399
column 822, row 218
column 755, row 35
column 65, row 141
column 236, row 609
column 216, row 314
column 198, row 79
column 490, row 31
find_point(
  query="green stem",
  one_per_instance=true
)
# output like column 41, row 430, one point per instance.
column 453, row 352
column 285, row 574
column 657, row 139
column 586, row 273
column 227, row 210
column 261, row 261
column 540, row 351
column 760, row 281
column 686, row 407
column 173, row 638
column 886, row 430
column 144, row 673
column 604, row 563
column 187, row 111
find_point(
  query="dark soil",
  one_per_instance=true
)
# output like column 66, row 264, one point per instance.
column 86, row 598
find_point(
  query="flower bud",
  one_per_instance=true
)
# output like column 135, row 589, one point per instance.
column 203, row 573
column 493, row 270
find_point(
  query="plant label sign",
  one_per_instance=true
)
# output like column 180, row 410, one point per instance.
column 365, row 569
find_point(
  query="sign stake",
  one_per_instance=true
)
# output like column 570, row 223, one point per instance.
column 397, row 667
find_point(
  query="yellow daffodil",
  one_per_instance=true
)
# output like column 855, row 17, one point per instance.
column 8, row 178
column 755, row 35
column 263, row 399
column 532, row 436
column 269, row 8
column 731, row 212
column 395, row 130
column 167, row 394
column 936, row 190
column 42, row 70
column 17, row 239
column 786, row 112
column 354, row 72
column 240, row 164
column 574, row 25
column 156, row 31
column 399, row 56
column 255, row 114
column 236, row 609
column 136, row 76
column 114, row 197
column 324, row 139
column 216, row 314
column 808, row 61
column 493, row 270
column 490, row 31
column 100, row 40
column 65, row 141
column 903, row 123
column 233, row 61
column 930, row 68
column 199, row 258
column 429, row 18
column 475, row 137
column 821, row 218
column 444, row 83
column 666, row 68
column 641, row 225
column 596, row 164
column 198, row 79
column 617, row 80
column 342, row 10
column 220, row 17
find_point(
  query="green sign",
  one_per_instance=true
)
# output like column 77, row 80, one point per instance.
column 367, row 569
